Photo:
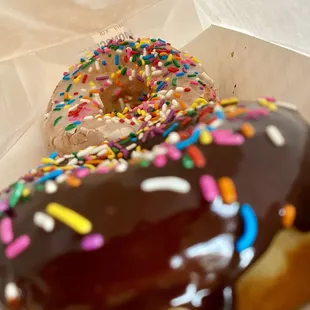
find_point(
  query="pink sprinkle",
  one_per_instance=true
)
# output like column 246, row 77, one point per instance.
column 117, row 91
column 6, row 231
column 87, row 157
column 232, row 139
column 128, row 52
column 18, row 246
column 103, row 170
column 193, row 82
column 4, row 205
column 208, row 187
column 92, row 242
column 106, row 83
column 145, row 105
column 102, row 78
column 128, row 72
column 160, row 161
column 257, row 112
column 174, row 153
column 270, row 99
column 82, row 173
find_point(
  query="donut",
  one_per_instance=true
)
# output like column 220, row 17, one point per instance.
column 167, row 222
column 102, row 96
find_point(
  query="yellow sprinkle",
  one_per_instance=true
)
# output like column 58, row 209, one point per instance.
column 125, row 111
column 120, row 115
column 46, row 160
column 169, row 57
column 119, row 72
column 77, row 80
column 91, row 84
column 194, row 105
column 194, row 59
column 69, row 217
column 140, row 72
column 148, row 81
column 231, row 100
column 26, row 192
column 138, row 148
column 91, row 167
column 47, row 169
column 143, row 113
column 167, row 79
column 270, row 105
column 67, row 106
column 205, row 137
column 112, row 156
column 146, row 128
column 143, row 62
column 66, row 167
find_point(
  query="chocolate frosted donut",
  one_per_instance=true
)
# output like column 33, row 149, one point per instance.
column 103, row 95
column 166, row 222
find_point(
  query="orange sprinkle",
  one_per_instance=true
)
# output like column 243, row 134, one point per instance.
column 247, row 130
column 87, row 98
column 182, row 104
column 94, row 91
column 66, row 95
column 177, row 95
column 227, row 189
column 289, row 215
column 73, row 181
column 196, row 155
column 156, row 106
column 119, row 155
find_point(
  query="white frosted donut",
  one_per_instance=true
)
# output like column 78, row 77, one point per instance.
column 121, row 88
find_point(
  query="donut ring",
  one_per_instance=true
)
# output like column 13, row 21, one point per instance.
column 101, row 97
column 163, row 229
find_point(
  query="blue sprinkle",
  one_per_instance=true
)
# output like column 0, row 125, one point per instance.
column 160, row 40
column 164, row 57
column 104, row 62
column 52, row 175
column 170, row 129
column 132, row 43
column 77, row 122
column 121, row 47
column 220, row 114
column 75, row 72
column 186, row 66
column 71, row 101
column 82, row 60
column 196, row 72
column 160, row 85
column 116, row 60
column 250, row 228
column 60, row 105
column 53, row 155
column 134, row 139
column 191, row 140
column 61, row 94
column 147, row 57
column 141, row 99
column 80, row 96
column 66, row 78
column 180, row 74
column 144, row 45
column 96, row 53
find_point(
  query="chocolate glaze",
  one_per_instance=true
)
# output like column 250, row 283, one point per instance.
column 159, row 245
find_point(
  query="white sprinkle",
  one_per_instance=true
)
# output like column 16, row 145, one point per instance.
column 164, row 108
column 99, row 148
column 174, row 184
column 173, row 137
column 60, row 160
column 159, row 150
column 50, row 187
column 90, row 69
column 46, row 115
column 103, row 152
column 130, row 78
column 275, row 135
column 109, row 82
column 11, row 291
column 140, row 136
column 97, row 96
column 121, row 102
column 179, row 89
column 160, row 64
column 224, row 210
column 144, row 52
column 157, row 73
column 147, row 70
column 119, row 51
column 85, row 152
column 72, row 162
column 148, row 117
column 169, row 94
column 206, row 78
column 216, row 123
column 286, row 105
column 176, row 262
column 68, row 156
column 85, row 100
column 83, row 90
column 121, row 168
column 162, row 92
column 133, row 73
column 61, row 178
column 88, row 117
column 153, row 68
column 97, row 65
column 175, row 104
column 44, row 221
column 73, row 107
column 131, row 146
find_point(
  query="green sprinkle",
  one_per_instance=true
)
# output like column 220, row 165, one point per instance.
column 110, row 55
column 66, row 100
column 191, row 112
column 74, row 153
column 147, row 62
column 167, row 102
column 153, row 40
column 125, row 140
column 125, row 43
column 191, row 75
column 134, row 58
column 124, row 70
column 70, row 127
column 176, row 63
column 167, row 63
column 57, row 109
column 132, row 134
column 88, row 63
column 139, row 63
column 68, row 88
column 144, row 163
column 115, row 149
column 187, row 162
column 200, row 82
column 174, row 82
column 57, row 120
column 40, row 187
column 16, row 194
column 119, row 67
